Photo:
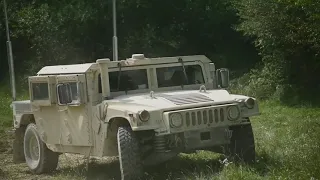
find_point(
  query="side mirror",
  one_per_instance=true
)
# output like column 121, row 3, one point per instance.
column 223, row 77
column 64, row 94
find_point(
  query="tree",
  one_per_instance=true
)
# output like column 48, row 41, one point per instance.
column 287, row 36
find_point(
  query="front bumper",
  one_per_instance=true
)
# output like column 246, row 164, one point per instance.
column 206, row 138
column 193, row 140
column 197, row 119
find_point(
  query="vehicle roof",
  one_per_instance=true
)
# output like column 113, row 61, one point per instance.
column 86, row 67
column 67, row 69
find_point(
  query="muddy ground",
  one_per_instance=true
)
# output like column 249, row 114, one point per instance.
column 74, row 167
column 70, row 166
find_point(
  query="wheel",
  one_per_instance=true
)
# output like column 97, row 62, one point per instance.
column 38, row 157
column 242, row 147
column 129, row 154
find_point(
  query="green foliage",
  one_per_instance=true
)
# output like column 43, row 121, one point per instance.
column 6, row 120
column 287, row 140
column 287, row 35
column 59, row 32
column 284, row 32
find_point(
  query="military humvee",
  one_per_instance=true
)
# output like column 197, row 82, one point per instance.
column 143, row 110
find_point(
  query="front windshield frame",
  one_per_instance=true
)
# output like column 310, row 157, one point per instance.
column 184, row 79
column 179, row 87
column 153, row 78
column 129, row 68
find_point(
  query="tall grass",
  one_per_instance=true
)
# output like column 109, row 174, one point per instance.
column 5, row 110
column 288, row 131
column 287, row 140
column 5, row 102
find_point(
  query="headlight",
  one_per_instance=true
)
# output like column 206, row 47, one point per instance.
column 144, row 115
column 233, row 113
column 176, row 120
column 249, row 103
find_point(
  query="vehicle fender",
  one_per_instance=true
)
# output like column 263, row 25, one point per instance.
column 22, row 119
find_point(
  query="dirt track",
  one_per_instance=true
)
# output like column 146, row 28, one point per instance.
column 70, row 166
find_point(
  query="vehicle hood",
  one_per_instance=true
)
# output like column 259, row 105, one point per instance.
column 170, row 100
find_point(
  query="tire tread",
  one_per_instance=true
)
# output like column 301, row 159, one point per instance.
column 129, row 155
column 242, row 146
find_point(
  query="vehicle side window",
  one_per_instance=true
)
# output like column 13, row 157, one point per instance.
column 40, row 91
column 74, row 91
column 68, row 93
column 63, row 95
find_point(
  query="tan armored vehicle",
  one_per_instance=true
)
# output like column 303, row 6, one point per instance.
column 143, row 110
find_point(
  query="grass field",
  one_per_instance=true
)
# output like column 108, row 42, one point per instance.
column 287, row 144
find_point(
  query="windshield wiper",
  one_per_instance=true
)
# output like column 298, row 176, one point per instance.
column 184, row 70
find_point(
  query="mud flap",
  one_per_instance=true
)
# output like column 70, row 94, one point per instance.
column 18, row 154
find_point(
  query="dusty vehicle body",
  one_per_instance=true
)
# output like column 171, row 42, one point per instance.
column 144, row 110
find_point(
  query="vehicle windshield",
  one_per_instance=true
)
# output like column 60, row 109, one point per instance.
column 129, row 80
column 166, row 76
column 174, row 76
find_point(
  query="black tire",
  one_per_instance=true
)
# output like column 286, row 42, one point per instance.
column 129, row 155
column 241, row 147
column 43, row 162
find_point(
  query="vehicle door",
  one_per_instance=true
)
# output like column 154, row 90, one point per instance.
column 73, row 110
column 43, row 105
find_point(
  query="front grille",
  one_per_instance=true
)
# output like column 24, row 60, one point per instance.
column 204, row 117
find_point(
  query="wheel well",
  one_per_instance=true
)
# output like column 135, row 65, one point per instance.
column 111, row 141
column 114, row 123
column 18, row 153
column 27, row 119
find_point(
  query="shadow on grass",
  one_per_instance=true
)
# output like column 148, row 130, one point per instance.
column 265, row 164
column 97, row 170
column 180, row 167
column 177, row 168
column 185, row 166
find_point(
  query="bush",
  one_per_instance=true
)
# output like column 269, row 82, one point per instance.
column 286, row 34
column 262, row 82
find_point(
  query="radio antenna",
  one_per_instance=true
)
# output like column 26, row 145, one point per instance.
column 115, row 39
column 9, row 54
